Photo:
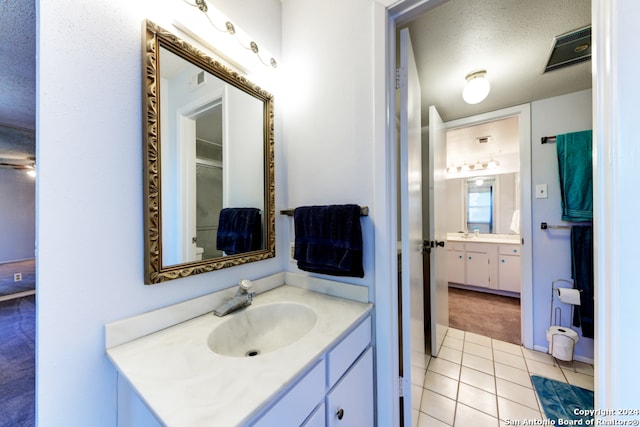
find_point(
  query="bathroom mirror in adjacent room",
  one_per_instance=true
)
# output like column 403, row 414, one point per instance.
column 209, row 162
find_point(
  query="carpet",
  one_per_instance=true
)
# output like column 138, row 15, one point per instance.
column 561, row 400
column 491, row 315
column 17, row 362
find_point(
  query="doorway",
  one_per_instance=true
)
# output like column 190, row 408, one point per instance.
column 483, row 228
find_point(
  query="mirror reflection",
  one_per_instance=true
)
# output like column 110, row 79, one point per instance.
column 211, row 163
column 214, row 136
column 487, row 203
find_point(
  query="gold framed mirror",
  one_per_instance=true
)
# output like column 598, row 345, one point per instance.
column 208, row 144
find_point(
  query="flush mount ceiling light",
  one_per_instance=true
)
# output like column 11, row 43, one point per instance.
column 477, row 87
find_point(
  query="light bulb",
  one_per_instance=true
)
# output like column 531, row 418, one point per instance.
column 477, row 87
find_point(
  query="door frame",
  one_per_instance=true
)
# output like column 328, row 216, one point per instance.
column 609, row 107
column 523, row 112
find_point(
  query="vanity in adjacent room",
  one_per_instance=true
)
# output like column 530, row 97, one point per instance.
column 488, row 262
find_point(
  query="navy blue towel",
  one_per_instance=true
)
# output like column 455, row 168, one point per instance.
column 582, row 273
column 239, row 230
column 329, row 239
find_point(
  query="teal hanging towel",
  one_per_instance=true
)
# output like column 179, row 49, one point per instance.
column 576, row 175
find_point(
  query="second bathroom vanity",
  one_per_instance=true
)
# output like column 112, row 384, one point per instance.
column 488, row 261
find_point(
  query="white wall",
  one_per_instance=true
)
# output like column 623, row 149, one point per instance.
column 328, row 132
column 89, row 208
column 17, row 215
column 552, row 248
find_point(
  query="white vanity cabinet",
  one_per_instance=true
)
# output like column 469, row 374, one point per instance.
column 456, row 262
column 337, row 390
column 509, row 268
column 484, row 264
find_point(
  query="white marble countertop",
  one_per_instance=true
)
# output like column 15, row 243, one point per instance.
column 510, row 239
column 186, row 384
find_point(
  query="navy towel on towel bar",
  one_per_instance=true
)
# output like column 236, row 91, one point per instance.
column 329, row 239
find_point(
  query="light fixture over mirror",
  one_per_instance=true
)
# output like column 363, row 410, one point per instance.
column 209, row 162
column 477, row 87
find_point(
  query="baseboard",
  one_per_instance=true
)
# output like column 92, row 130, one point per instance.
column 577, row 358
column 17, row 295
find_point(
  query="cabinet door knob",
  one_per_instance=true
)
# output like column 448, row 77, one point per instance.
column 340, row 413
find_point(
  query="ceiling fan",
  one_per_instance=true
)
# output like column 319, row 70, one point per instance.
column 28, row 164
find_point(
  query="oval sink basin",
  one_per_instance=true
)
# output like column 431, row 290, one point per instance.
column 261, row 329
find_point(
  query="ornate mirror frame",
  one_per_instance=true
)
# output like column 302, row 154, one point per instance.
column 154, row 271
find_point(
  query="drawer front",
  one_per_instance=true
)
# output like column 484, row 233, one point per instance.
column 342, row 356
column 455, row 246
column 481, row 247
column 291, row 409
column 509, row 249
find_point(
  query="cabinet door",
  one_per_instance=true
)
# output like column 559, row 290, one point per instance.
column 509, row 272
column 456, row 265
column 477, row 269
column 350, row 403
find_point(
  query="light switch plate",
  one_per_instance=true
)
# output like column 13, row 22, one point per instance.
column 541, row 191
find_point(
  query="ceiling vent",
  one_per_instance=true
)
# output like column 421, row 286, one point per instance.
column 571, row 48
column 483, row 139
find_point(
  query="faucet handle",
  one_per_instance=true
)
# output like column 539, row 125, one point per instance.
column 245, row 284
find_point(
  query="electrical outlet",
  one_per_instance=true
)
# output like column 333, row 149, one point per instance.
column 17, row 277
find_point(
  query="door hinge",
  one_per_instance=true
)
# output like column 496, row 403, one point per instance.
column 401, row 78
column 401, row 386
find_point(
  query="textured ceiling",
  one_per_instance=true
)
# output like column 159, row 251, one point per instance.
column 511, row 39
column 17, row 79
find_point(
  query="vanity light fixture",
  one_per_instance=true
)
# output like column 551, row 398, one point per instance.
column 478, row 166
column 477, row 87
column 231, row 29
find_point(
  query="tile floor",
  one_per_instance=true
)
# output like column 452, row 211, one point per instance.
column 479, row 381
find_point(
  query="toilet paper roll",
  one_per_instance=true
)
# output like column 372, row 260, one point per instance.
column 569, row 296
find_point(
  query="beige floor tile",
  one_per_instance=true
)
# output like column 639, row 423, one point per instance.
column 415, row 416
column 580, row 367
column 450, row 354
column 514, row 375
column 477, row 339
column 454, row 343
column 507, row 347
column 511, row 411
column 478, row 379
column 440, row 384
column 455, row 333
column 466, row 417
column 417, row 375
column 478, row 363
column 538, row 356
column 509, row 359
column 544, row 370
column 478, row 399
column 444, row 367
column 517, row 393
column 478, row 350
column 438, row 406
column 580, row 380
column 416, row 397
column 425, row 420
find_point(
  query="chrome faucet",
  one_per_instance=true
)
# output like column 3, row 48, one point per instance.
column 241, row 299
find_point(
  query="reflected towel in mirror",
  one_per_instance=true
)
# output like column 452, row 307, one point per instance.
column 239, row 230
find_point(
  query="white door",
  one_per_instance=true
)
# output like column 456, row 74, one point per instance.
column 412, row 286
column 438, row 285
